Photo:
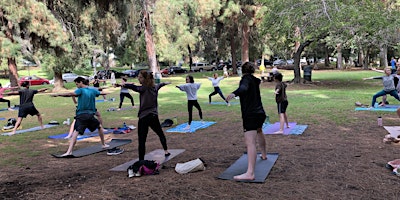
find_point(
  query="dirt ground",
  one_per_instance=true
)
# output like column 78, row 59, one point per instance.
column 325, row 162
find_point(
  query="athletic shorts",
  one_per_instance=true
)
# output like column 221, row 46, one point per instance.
column 24, row 111
column 253, row 122
column 84, row 121
column 282, row 107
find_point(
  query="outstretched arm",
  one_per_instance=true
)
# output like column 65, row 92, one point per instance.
column 68, row 94
column 43, row 89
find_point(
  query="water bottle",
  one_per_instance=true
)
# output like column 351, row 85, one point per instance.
column 266, row 120
column 68, row 121
column 380, row 123
column 124, row 125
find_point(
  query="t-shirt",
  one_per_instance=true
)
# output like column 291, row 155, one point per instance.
column 215, row 81
column 86, row 100
column 281, row 96
column 190, row 89
column 388, row 82
column 2, row 91
column 26, row 96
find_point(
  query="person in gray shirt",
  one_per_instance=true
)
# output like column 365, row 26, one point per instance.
column 191, row 91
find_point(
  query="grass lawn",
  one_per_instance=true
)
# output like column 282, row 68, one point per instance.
column 329, row 99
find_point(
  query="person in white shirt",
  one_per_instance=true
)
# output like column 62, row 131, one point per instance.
column 191, row 89
column 215, row 82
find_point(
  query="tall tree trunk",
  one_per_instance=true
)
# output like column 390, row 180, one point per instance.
column 148, row 33
column 245, row 42
column 12, row 65
column 296, row 58
column 190, row 58
column 233, row 47
column 366, row 59
column 360, row 56
column 339, row 61
column 383, row 55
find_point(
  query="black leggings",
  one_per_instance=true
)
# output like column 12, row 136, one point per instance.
column 194, row 103
column 144, row 123
column 217, row 90
column 121, row 98
column 5, row 100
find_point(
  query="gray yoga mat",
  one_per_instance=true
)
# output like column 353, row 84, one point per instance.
column 263, row 167
column 157, row 155
column 94, row 149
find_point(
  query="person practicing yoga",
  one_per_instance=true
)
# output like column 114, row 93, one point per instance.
column 253, row 116
column 96, row 83
column 2, row 90
column 124, row 93
column 215, row 83
column 148, row 110
column 191, row 92
column 26, row 106
column 85, row 112
column 281, row 102
column 388, row 86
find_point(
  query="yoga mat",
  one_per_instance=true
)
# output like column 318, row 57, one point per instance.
column 6, row 109
column 157, row 155
column 102, row 100
column 275, row 127
column 2, row 118
column 262, row 169
column 193, row 127
column 94, row 149
column 298, row 130
column 86, row 134
column 37, row 128
column 388, row 109
column 222, row 103
column 124, row 108
column 394, row 131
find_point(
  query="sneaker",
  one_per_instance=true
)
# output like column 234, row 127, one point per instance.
column 114, row 151
column 10, row 109
column 228, row 104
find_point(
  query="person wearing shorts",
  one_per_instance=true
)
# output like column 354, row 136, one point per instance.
column 253, row 116
column 85, row 112
column 281, row 102
column 26, row 106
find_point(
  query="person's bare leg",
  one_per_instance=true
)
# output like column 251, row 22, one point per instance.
column 19, row 120
column 72, row 143
column 39, row 117
column 101, row 134
column 250, row 140
column 71, row 130
column 98, row 115
column 262, row 144
column 281, row 123
column 286, row 120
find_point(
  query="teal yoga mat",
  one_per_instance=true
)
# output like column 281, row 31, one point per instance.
column 262, row 169
column 387, row 109
column 196, row 125
column 37, row 128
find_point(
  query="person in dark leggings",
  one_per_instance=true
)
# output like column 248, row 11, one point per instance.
column 215, row 82
column 124, row 93
column 2, row 89
column 191, row 91
column 148, row 111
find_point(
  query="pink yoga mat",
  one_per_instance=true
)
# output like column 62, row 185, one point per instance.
column 275, row 127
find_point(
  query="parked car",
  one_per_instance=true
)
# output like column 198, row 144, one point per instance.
column 107, row 74
column 165, row 71
column 266, row 62
column 200, row 66
column 177, row 69
column 290, row 61
column 279, row 62
column 70, row 77
column 223, row 64
column 131, row 73
column 34, row 80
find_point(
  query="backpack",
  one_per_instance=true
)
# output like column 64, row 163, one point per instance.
column 167, row 123
column 143, row 167
column 10, row 124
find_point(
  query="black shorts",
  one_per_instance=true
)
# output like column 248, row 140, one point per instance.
column 84, row 121
column 253, row 122
column 24, row 111
column 282, row 107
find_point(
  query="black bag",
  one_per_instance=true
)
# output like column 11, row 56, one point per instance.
column 167, row 123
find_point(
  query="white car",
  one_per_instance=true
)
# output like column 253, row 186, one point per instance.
column 70, row 77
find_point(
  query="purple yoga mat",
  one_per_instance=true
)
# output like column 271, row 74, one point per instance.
column 275, row 127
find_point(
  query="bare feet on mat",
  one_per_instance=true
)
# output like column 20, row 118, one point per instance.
column 66, row 154
column 278, row 132
column 244, row 177
column 105, row 146
column 187, row 127
column 288, row 126
column 263, row 157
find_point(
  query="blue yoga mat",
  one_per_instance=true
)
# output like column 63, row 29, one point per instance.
column 193, row 127
column 37, row 128
column 222, row 103
column 86, row 134
column 6, row 109
column 387, row 109
column 295, row 129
